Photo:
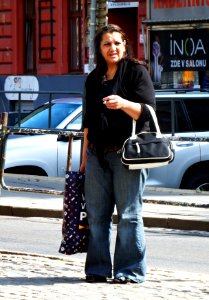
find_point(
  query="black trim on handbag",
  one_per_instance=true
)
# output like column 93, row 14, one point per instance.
column 147, row 149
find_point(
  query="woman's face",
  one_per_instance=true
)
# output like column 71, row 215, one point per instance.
column 112, row 47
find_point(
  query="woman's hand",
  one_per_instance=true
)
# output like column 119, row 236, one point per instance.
column 85, row 144
column 82, row 166
column 114, row 102
column 133, row 109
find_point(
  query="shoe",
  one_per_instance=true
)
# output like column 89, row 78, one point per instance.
column 122, row 280
column 95, row 278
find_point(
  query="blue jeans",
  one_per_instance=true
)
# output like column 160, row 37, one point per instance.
column 105, row 188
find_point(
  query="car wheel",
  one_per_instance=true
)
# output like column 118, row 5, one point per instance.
column 199, row 180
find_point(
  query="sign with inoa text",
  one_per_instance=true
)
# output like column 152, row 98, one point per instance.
column 179, row 50
column 178, row 9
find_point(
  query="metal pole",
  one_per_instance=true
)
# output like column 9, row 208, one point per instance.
column 92, row 33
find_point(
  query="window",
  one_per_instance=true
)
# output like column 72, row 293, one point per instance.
column 182, row 120
column 188, row 114
column 39, row 118
column 30, row 47
column 75, row 124
column 198, row 110
column 176, row 121
column 75, row 36
column 164, row 116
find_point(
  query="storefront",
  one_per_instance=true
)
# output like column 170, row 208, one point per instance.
column 177, row 46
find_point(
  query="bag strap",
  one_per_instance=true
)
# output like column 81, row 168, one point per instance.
column 154, row 117
column 69, row 153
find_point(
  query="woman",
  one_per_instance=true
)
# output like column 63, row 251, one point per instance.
column 116, row 91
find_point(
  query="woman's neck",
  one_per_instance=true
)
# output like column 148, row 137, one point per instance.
column 111, row 72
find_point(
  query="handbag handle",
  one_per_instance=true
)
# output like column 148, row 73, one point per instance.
column 154, row 117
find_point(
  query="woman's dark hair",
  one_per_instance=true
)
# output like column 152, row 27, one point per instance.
column 101, row 65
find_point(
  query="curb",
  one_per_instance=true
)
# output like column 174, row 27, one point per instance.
column 176, row 223
column 29, row 212
column 166, row 222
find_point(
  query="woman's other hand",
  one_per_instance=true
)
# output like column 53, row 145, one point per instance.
column 82, row 167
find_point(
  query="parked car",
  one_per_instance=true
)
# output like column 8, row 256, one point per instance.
column 45, row 154
column 180, row 113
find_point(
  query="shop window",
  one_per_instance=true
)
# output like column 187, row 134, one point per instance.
column 179, row 80
column 75, row 35
column 30, row 47
column 186, row 79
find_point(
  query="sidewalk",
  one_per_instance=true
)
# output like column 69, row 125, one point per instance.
column 30, row 276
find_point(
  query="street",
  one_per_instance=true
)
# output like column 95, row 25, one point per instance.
column 169, row 249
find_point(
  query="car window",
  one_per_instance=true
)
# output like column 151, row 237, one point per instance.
column 182, row 121
column 75, row 124
column 39, row 118
column 177, row 122
column 163, row 113
column 198, row 111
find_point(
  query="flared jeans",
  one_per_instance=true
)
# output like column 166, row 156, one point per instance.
column 105, row 189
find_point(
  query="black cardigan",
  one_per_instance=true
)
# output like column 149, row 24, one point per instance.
column 111, row 127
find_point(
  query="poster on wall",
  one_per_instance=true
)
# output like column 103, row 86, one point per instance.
column 21, row 83
column 178, row 50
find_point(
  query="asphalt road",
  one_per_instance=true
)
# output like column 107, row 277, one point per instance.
column 166, row 248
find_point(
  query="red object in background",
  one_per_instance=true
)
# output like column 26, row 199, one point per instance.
column 45, row 37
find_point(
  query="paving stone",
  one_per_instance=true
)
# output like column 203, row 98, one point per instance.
column 31, row 276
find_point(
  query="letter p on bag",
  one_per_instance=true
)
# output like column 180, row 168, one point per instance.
column 83, row 215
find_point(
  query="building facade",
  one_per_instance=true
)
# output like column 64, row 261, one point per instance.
column 45, row 44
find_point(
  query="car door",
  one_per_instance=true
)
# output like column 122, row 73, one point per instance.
column 26, row 154
column 174, row 121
